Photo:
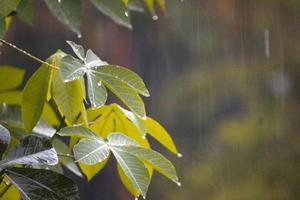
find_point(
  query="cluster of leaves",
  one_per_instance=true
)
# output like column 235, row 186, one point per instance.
column 67, row 97
column 69, row 11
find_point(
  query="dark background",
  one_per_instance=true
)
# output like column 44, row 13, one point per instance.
column 225, row 81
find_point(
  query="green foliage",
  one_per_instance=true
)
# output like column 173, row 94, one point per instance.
column 68, row 12
column 66, row 96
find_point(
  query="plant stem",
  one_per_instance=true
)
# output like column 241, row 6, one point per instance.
column 27, row 54
column 65, row 155
column 5, row 189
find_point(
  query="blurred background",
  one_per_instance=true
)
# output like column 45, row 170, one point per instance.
column 224, row 76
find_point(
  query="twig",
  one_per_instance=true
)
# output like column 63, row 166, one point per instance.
column 27, row 54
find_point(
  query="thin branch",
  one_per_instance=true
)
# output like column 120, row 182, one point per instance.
column 27, row 54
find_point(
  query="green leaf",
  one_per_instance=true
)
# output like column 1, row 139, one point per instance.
column 11, row 97
column 11, row 193
column 91, row 152
column 78, row 131
column 119, row 139
column 126, row 181
column 68, row 162
column 125, row 75
column 135, row 120
column 116, row 10
column 32, row 150
column 25, row 12
column 162, row 5
column 127, row 95
column 4, row 139
column 71, row 68
column 92, row 60
column 68, row 96
column 134, row 169
column 37, row 184
column 2, row 27
column 34, row 97
column 15, row 75
column 78, row 50
column 7, row 6
column 160, row 134
column 155, row 159
column 91, row 170
column 96, row 91
column 67, row 12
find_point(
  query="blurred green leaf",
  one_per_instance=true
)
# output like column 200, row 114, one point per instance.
column 68, row 12
column 25, row 12
column 34, row 96
column 7, row 6
column 15, row 75
column 116, row 10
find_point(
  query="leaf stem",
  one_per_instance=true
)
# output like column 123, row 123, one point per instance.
column 27, row 54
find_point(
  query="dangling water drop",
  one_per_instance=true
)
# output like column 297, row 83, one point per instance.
column 155, row 17
column 126, row 13
column 178, row 183
column 59, row 1
column 136, row 198
column 99, row 84
column 79, row 36
column 179, row 155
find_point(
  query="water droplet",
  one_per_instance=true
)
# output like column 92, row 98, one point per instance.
column 99, row 83
column 59, row 1
column 179, row 155
column 178, row 183
column 79, row 36
column 47, row 168
column 126, row 14
column 155, row 17
column 136, row 198
column 144, row 136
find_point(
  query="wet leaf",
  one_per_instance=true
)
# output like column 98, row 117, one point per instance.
column 7, row 6
column 4, row 139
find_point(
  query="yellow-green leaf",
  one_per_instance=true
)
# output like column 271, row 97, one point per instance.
column 160, row 134
column 11, row 97
column 91, row 170
column 68, row 96
column 10, row 77
column 34, row 97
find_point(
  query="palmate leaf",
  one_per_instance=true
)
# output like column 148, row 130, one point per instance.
column 4, row 139
column 116, row 10
column 67, row 12
column 7, row 6
column 34, row 96
column 32, row 150
column 11, row 193
column 37, row 184
column 78, row 131
column 126, row 84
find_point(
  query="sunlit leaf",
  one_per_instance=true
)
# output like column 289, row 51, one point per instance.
column 37, row 184
column 155, row 159
column 78, row 131
column 126, row 181
column 68, row 12
column 71, row 69
column 34, row 97
column 96, row 91
column 32, row 150
column 119, row 139
column 136, row 5
column 92, row 60
column 91, row 152
column 125, row 75
column 116, row 10
column 162, row 5
column 15, row 77
column 11, row 193
column 49, row 115
column 91, row 170
column 160, row 134
column 78, row 49
column 68, row 96
column 134, row 169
